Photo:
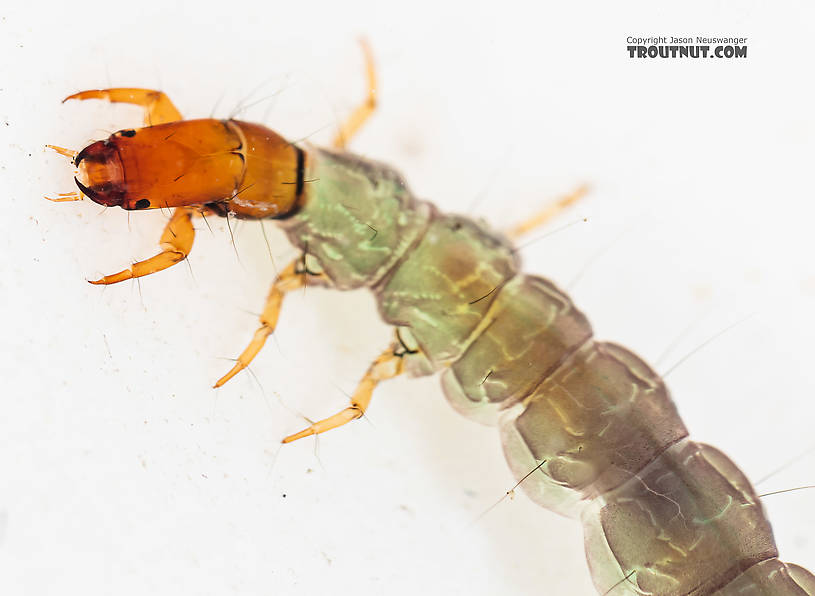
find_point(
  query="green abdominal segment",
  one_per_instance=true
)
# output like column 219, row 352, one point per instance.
column 661, row 514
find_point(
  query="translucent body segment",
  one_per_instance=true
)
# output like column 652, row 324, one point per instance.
column 600, row 417
column 359, row 218
column 416, row 363
column 688, row 523
column 532, row 327
column 444, row 287
column 771, row 578
column 803, row 577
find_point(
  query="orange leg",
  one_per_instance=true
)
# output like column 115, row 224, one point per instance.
column 293, row 277
column 355, row 121
column 390, row 364
column 548, row 212
column 158, row 108
column 176, row 243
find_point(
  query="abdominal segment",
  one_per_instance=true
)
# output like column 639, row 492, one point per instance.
column 588, row 428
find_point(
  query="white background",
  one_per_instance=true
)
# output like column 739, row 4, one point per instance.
column 123, row 472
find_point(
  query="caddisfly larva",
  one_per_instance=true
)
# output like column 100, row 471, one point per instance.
column 587, row 425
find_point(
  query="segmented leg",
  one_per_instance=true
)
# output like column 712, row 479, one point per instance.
column 158, row 108
column 390, row 364
column 364, row 110
column 176, row 243
column 293, row 277
column 548, row 212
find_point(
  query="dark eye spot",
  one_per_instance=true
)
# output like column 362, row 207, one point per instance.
column 142, row 204
column 128, row 133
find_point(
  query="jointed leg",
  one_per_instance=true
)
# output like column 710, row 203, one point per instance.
column 291, row 278
column 548, row 212
column 176, row 243
column 158, row 108
column 363, row 111
column 387, row 366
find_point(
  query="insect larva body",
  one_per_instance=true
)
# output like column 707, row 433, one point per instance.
column 595, row 422
column 588, row 428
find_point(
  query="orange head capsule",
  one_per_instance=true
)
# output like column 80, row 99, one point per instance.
column 248, row 168
column 100, row 177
